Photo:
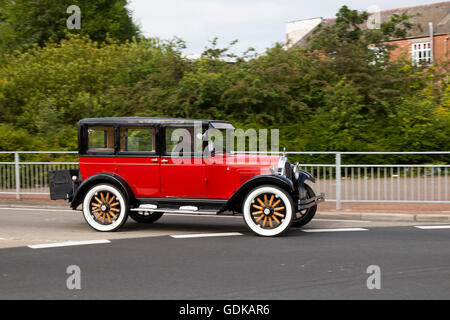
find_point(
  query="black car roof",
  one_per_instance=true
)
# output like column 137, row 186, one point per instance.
column 145, row 120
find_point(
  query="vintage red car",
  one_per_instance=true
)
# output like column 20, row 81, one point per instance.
column 135, row 167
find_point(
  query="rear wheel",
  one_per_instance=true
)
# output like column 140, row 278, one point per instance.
column 268, row 211
column 305, row 216
column 105, row 208
column 145, row 216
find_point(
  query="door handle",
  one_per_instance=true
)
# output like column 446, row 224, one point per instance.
column 155, row 160
column 164, row 161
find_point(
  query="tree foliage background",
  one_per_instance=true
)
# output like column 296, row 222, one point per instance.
column 340, row 93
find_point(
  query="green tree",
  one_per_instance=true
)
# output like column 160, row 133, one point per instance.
column 47, row 90
column 325, row 97
column 362, row 55
column 24, row 23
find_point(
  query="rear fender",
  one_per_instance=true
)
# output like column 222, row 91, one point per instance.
column 104, row 177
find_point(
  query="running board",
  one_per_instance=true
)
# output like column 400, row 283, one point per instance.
column 182, row 209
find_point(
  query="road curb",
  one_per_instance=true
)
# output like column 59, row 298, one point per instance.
column 375, row 216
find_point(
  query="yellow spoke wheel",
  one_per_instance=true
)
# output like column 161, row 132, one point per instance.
column 268, row 210
column 105, row 208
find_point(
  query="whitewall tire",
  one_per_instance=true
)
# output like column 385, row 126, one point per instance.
column 268, row 211
column 105, row 208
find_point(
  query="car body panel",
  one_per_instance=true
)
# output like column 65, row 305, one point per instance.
column 183, row 177
column 141, row 173
column 227, row 172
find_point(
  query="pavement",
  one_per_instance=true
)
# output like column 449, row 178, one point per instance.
column 311, row 263
column 216, row 257
column 38, row 223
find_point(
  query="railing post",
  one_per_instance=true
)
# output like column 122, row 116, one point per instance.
column 338, row 181
column 17, row 169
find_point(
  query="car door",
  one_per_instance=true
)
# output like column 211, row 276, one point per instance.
column 137, row 161
column 183, row 170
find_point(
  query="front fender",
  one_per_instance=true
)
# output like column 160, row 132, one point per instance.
column 104, row 177
column 235, row 202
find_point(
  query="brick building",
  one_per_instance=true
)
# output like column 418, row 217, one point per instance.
column 427, row 41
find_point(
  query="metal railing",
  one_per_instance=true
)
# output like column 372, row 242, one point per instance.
column 340, row 182
column 381, row 182
column 30, row 177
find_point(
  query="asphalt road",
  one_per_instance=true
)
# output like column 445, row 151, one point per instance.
column 173, row 259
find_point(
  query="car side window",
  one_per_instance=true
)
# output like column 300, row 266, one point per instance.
column 100, row 139
column 137, row 139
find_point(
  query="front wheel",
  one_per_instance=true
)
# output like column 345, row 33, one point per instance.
column 268, row 211
column 105, row 208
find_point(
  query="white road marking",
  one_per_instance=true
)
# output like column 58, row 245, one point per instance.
column 433, row 227
column 334, row 230
column 67, row 244
column 205, row 235
column 32, row 240
column 37, row 209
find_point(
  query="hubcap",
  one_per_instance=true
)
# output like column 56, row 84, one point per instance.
column 268, row 211
column 105, row 208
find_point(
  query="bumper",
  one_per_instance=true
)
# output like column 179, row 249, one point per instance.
column 310, row 202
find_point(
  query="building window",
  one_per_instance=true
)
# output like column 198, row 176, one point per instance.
column 421, row 53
